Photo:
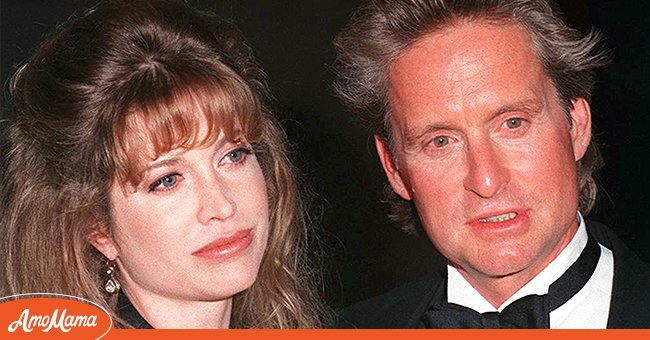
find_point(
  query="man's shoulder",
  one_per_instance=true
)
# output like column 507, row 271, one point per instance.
column 631, row 281
column 395, row 309
column 625, row 257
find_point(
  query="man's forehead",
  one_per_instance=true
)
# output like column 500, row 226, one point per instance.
column 448, row 72
column 460, row 53
column 434, row 87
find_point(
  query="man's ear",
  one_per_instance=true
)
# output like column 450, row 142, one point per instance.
column 391, row 169
column 580, row 126
column 103, row 244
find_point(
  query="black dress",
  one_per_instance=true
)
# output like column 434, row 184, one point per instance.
column 128, row 313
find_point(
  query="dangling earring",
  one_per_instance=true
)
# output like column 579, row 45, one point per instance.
column 112, row 285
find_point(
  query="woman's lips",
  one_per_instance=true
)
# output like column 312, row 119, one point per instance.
column 226, row 247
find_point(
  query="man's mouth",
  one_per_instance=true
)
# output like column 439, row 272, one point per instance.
column 499, row 218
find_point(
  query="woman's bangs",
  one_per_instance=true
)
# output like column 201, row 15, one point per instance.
column 183, row 119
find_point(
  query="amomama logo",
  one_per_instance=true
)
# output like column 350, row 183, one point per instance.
column 52, row 316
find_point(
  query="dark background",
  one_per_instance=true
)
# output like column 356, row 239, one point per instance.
column 364, row 254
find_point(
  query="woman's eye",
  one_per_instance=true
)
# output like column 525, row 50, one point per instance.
column 164, row 183
column 440, row 141
column 513, row 123
column 237, row 155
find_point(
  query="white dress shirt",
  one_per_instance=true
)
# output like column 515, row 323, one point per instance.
column 589, row 308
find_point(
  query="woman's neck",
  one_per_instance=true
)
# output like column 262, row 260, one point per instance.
column 166, row 312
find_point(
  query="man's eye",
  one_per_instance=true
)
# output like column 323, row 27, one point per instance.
column 164, row 183
column 440, row 141
column 513, row 123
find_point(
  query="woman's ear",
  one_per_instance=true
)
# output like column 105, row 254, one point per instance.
column 103, row 244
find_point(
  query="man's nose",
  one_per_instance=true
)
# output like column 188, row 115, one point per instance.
column 487, row 169
column 215, row 201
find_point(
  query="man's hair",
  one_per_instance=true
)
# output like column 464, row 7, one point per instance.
column 78, row 103
column 382, row 30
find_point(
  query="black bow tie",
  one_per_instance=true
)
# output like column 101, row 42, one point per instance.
column 530, row 311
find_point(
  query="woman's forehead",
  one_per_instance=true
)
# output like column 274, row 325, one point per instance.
column 187, row 134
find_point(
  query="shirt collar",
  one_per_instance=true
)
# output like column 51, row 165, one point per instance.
column 459, row 291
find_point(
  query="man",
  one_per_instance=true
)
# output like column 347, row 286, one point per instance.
column 482, row 123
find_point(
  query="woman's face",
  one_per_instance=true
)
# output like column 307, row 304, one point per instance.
column 195, row 228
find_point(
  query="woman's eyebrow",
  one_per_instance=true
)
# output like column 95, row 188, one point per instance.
column 163, row 163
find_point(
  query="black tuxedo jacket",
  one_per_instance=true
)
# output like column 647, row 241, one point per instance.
column 404, row 306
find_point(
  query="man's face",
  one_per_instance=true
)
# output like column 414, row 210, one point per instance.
column 484, row 150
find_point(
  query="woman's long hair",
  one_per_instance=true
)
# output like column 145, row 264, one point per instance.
column 77, row 101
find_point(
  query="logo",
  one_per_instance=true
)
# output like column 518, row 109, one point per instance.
column 52, row 316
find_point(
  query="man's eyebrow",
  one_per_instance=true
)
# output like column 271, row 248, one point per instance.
column 529, row 106
column 413, row 135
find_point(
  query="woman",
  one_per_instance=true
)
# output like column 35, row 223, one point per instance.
column 144, row 174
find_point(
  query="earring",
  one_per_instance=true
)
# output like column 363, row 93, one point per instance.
column 112, row 285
